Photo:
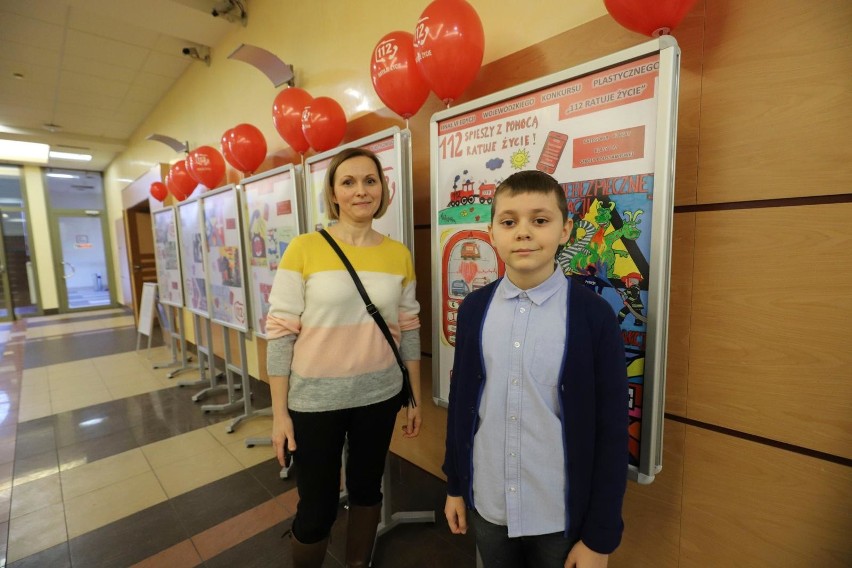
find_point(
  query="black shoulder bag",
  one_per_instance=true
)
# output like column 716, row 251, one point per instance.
column 374, row 311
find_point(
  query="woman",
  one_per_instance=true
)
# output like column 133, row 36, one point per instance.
column 332, row 373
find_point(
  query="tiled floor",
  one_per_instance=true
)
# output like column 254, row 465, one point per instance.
column 105, row 462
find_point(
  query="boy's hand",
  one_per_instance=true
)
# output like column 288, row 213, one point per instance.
column 581, row 556
column 456, row 514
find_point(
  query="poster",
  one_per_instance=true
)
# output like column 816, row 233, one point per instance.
column 192, row 257
column 605, row 132
column 272, row 219
column 392, row 147
column 224, row 255
column 167, row 258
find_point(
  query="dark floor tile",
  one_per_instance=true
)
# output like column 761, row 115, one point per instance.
column 216, row 502
column 35, row 439
column 36, row 467
column 96, row 449
column 53, row 350
column 54, row 557
column 263, row 550
column 90, row 423
column 129, row 540
column 268, row 474
column 89, row 316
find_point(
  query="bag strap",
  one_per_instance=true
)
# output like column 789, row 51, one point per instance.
column 373, row 311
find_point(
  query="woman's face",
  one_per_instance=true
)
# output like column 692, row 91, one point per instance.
column 357, row 189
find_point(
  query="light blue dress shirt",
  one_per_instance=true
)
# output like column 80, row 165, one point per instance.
column 519, row 473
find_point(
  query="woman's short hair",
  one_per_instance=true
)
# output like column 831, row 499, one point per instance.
column 328, row 191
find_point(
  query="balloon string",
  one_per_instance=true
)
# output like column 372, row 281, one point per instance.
column 406, row 124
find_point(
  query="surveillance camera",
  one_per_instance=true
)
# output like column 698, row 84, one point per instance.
column 186, row 51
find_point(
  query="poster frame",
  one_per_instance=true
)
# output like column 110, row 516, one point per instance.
column 650, row 454
column 237, row 211
column 169, row 210
column 402, row 161
column 297, row 176
column 184, row 205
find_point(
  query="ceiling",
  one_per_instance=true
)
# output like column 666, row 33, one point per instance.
column 81, row 75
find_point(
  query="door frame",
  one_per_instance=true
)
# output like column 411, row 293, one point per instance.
column 56, row 248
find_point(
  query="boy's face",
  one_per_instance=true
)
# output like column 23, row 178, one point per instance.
column 526, row 230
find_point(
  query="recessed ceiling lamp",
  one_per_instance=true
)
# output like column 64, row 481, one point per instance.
column 16, row 151
column 60, row 176
column 71, row 156
column 51, row 127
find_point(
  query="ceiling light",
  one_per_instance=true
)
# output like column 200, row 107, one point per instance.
column 71, row 156
column 30, row 152
column 61, row 176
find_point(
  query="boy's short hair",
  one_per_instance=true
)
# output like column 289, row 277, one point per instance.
column 328, row 189
column 531, row 181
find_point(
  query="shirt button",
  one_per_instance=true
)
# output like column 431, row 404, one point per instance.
column 512, row 454
column 523, row 310
column 511, row 490
column 517, row 344
column 513, row 418
column 514, row 381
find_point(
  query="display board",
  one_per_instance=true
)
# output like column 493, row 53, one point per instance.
column 272, row 217
column 191, row 246
column 393, row 148
column 606, row 131
column 167, row 257
column 223, row 261
column 146, row 309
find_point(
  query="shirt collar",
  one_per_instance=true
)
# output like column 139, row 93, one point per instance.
column 540, row 293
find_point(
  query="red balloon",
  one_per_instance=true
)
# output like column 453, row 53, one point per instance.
column 650, row 17
column 396, row 77
column 206, row 166
column 449, row 43
column 159, row 191
column 248, row 146
column 181, row 183
column 226, row 151
column 287, row 111
column 324, row 123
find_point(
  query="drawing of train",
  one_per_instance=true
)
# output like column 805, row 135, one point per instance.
column 467, row 194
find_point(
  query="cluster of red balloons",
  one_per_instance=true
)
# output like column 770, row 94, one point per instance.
column 443, row 55
column 650, row 17
column 305, row 122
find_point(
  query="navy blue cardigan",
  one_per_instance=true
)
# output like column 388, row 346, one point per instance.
column 593, row 399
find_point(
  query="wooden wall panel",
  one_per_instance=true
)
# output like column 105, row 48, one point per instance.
column 748, row 504
column 652, row 512
column 776, row 108
column 769, row 352
column 680, row 309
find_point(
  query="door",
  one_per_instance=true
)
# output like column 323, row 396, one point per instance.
column 83, row 274
column 6, row 307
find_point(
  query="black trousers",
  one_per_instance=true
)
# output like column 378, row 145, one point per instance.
column 319, row 439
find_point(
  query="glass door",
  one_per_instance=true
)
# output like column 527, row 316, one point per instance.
column 83, row 265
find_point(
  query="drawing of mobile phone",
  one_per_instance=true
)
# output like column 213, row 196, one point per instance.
column 551, row 151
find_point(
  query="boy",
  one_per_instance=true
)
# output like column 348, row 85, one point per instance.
column 537, row 420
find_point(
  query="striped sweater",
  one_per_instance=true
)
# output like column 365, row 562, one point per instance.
column 340, row 359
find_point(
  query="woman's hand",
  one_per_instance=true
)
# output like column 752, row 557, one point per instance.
column 411, row 428
column 282, row 433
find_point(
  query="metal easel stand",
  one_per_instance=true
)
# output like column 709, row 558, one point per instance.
column 170, row 327
column 229, row 386
column 204, row 367
column 390, row 520
column 249, row 411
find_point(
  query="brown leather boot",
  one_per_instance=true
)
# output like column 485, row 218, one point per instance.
column 361, row 534
column 308, row 555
